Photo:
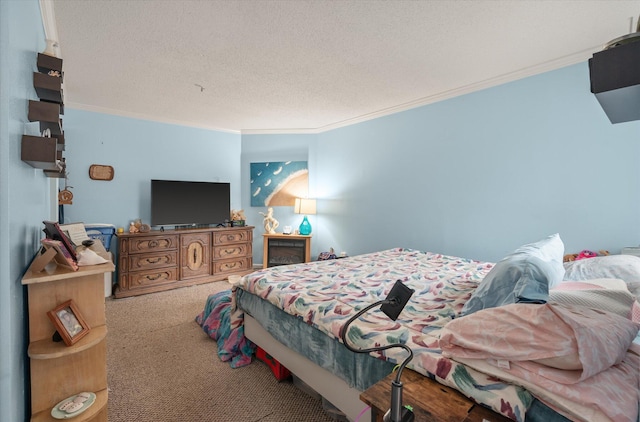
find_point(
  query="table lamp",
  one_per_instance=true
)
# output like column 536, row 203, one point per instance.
column 392, row 305
column 306, row 207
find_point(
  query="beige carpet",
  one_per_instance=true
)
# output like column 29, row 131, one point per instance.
column 163, row 367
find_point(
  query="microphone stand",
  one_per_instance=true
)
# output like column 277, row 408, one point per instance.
column 391, row 306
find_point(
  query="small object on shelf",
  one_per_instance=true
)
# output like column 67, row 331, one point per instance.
column 73, row 406
column 61, row 256
column 133, row 228
column 237, row 215
column 270, row 223
column 52, row 48
column 69, row 322
column 101, row 172
column 306, row 207
column 144, row 228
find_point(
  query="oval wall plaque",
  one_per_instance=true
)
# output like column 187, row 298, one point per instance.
column 101, row 172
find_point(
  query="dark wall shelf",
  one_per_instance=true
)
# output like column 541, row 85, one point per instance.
column 47, row 63
column 48, row 88
column 42, row 152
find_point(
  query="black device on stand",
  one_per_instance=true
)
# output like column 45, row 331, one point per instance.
column 392, row 305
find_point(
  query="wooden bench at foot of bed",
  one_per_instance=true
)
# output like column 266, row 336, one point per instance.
column 430, row 401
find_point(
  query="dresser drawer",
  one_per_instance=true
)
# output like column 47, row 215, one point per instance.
column 149, row 278
column 151, row 261
column 152, row 243
column 232, row 236
column 232, row 265
column 232, row 251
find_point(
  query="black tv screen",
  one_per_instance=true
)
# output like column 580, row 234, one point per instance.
column 183, row 203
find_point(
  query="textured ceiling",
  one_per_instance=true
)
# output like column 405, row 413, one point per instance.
column 260, row 66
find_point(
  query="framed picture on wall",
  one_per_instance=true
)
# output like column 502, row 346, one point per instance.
column 69, row 322
column 278, row 183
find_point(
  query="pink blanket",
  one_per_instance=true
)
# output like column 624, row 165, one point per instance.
column 510, row 342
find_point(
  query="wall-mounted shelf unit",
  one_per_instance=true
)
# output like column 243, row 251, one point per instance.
column 48, row 63
column 40, row 151
column 48, row 88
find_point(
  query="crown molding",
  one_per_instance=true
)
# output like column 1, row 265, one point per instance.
column 49, row 21
column 141, row 116
column 468, row 89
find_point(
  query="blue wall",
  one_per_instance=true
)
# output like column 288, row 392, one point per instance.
column 473, row 176
column 476, row 175
column 266, row 148
column 139, row 151
column 24, row 196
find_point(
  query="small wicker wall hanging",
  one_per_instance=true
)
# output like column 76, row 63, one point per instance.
column 101, row 172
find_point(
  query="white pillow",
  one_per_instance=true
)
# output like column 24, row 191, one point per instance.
column 624, row 267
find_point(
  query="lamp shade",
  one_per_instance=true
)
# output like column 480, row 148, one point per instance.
column 305, row 206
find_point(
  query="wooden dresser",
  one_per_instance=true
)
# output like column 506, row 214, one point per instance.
column 164, row 260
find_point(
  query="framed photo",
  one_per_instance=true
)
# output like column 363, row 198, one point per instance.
column 69, row 322
column 53, row 231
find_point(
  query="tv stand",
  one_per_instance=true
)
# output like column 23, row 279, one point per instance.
column 164, row 260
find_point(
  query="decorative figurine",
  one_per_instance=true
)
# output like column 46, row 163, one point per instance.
column 270, row 223
column 237, row 218
column 133, row 228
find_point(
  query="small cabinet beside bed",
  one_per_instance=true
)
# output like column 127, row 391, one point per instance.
column 285, row 249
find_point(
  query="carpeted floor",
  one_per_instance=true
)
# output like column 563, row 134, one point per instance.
column 163, row 367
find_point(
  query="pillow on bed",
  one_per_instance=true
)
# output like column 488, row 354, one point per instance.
column 524, row 276
column 624, row 267
column 606, row 294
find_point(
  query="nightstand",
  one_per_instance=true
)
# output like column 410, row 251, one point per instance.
column 430, row 401
column 285, row 249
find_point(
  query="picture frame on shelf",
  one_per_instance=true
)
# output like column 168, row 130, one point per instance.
column 69, row 322
column 53, row 231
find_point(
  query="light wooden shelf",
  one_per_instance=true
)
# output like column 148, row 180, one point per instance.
column 48, row 349
column 57, row 272
column 98, row 406
column 59, row 371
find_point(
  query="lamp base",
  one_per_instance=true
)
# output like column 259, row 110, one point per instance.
column 305, row 227
column 407, row 416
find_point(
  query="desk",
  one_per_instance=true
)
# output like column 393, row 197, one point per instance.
column 430, row 401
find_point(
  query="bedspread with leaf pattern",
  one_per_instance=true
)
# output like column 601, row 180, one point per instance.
column 326, row 294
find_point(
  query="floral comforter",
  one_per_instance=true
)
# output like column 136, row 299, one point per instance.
column 326, row 294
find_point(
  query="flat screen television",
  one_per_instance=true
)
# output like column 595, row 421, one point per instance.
column 184, row 203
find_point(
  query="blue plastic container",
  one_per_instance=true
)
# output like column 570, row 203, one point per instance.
column 103, row 232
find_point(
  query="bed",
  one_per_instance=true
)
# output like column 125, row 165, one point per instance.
column 295, row 314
